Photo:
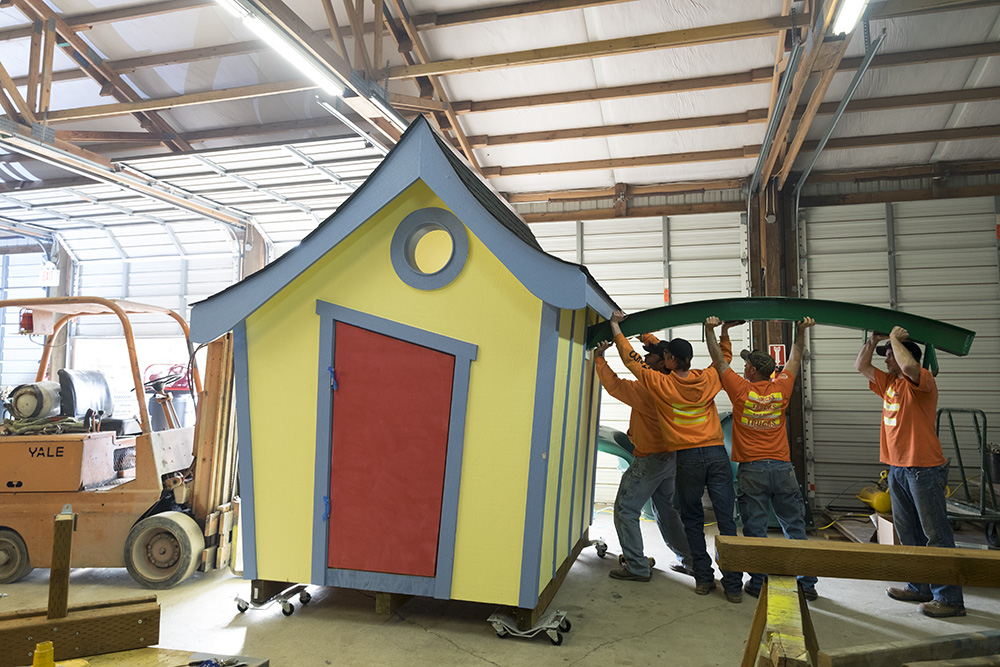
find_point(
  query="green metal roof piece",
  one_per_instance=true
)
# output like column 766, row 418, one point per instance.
column 935, row 334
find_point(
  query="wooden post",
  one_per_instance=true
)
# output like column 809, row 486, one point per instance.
column 62, row 546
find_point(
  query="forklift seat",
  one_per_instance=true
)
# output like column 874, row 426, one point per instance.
column 80, row 391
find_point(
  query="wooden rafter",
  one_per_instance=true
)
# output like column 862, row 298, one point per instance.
column 422, row 56
column 191, row 99
column 607, row 47
column 779, row 57
column 817, row 37
column 356, row 19
column 630, row 191
column 34, row 64
column 7, row 87
column 828, row 68
column 95, row 67
column 331, row 18
column 639, row 211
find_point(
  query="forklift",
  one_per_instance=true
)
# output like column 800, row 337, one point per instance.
column 132, row 488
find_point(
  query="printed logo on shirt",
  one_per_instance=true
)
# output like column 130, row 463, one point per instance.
column 686, row 415
column 890, row 407
column 762, row 412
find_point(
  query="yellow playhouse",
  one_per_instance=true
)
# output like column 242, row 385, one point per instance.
column 416, row 409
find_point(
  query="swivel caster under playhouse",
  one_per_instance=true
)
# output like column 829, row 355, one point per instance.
column 552, row 624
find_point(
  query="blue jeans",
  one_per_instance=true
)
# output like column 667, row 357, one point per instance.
column 761, row 485
column 649, row 478
column 920, row 516
column 697, row 469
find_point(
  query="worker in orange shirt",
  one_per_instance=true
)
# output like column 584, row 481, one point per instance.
column 918, row 471
column 650, row 476
column 685, row 409
column 765, row 478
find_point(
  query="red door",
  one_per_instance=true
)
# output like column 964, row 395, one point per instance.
column 391, row 410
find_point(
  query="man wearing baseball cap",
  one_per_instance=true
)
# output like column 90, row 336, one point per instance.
column 765, row 477
column 918, row 471
column 650, row 476
column 689, row 421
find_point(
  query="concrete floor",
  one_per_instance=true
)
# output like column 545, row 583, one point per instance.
column 614, row 622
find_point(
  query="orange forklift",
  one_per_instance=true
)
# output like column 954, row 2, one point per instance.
column 132, row 487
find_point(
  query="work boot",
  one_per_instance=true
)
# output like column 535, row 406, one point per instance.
column 626, row 574
column 677, row 567
column 938, row 609
column 704, row 587
column 752, row 592
column 906, row 595
column 735, row 598
column 810, row 594
column 621, row 561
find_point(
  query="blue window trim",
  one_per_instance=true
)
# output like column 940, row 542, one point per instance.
column 403, row 244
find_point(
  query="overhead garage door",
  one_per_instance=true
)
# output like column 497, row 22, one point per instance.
column 936, row 259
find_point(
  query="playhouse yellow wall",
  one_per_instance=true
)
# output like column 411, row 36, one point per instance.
column 485, row 305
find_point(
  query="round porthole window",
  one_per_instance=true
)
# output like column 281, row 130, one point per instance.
column 429, row 248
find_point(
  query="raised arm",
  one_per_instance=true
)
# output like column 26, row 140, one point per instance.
column 714, row 350
column 795, row 361
column 633, row 361
column 907, row 364
column 863, row 364
column 626, row 391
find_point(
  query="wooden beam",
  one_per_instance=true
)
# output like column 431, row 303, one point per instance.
column 943, row 647
column 897, row 173
column 62, row 549
column 7, row 86
column 756, row 76
column 830, row 62
column 331, row 18
column 520, row 9
column 622, row 163
column 48, row 54
column 702, row 122
column 85, row 136
column 379, row 32
column 601, row 48
column 439, row 92
column 409, row 102
column 924, row 194
column 921, row 137
column 898, row 8
column 90, row 19
column 638, row 211
column 94, row 66
column 356, row 19
column 881, row 562
column 192, row 99
column 34, row 64
column 631, row 191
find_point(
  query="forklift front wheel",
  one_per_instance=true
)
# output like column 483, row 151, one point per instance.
column 14, row 563
column 163, row 550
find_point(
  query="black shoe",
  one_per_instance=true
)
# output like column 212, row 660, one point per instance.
column 906, row 595
column 704, row 588
column 810, row 594
column 735, row 598
column 751, row 592
column 626, row 574
column 677, row 567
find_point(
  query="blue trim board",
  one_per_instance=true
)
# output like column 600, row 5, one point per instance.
column 541, row 430
column 582, row 329
column 402, row 247
column 381, row 582
column 562, row 444
column 438, row 586
column 244, row 443
column 324, row 433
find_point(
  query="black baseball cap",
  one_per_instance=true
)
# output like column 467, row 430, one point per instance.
column 908, row 344
column 762, row 361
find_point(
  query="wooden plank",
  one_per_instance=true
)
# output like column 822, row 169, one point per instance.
column 622, row 163
column 637, row 44
column 756, row 630
column 967, row 567
column 638, row 211
column 983, row 661
column 34, row 64
column 103, row 629
column 7, row 85
column 896, row 654
column 48, row 53
column 386, row 604
column 62, row 548
column 786, row 643
column 331, row 18
column 206, row 431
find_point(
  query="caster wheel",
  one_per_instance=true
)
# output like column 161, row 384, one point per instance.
column 565, row 625
column 992, row 531
column 241, row 606
column 555, row 637
column 502, row 633
column 602, row 550
column 287, row 608
column 304, row 597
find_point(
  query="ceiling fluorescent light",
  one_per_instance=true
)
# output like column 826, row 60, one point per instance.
column 848, row 15
column 333, row 111
column 390, row 114
column 285, row 47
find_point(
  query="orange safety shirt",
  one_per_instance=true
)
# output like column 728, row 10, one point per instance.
column 909, row 411
column 643, row 427
column 759, row 416
column 685, row 406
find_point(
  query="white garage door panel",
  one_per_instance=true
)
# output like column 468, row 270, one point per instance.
column 945, row 258
column 19, row 354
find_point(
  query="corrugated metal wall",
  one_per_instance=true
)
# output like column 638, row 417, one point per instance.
column 641, row 262
column 20, row 276
column 936, row 259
